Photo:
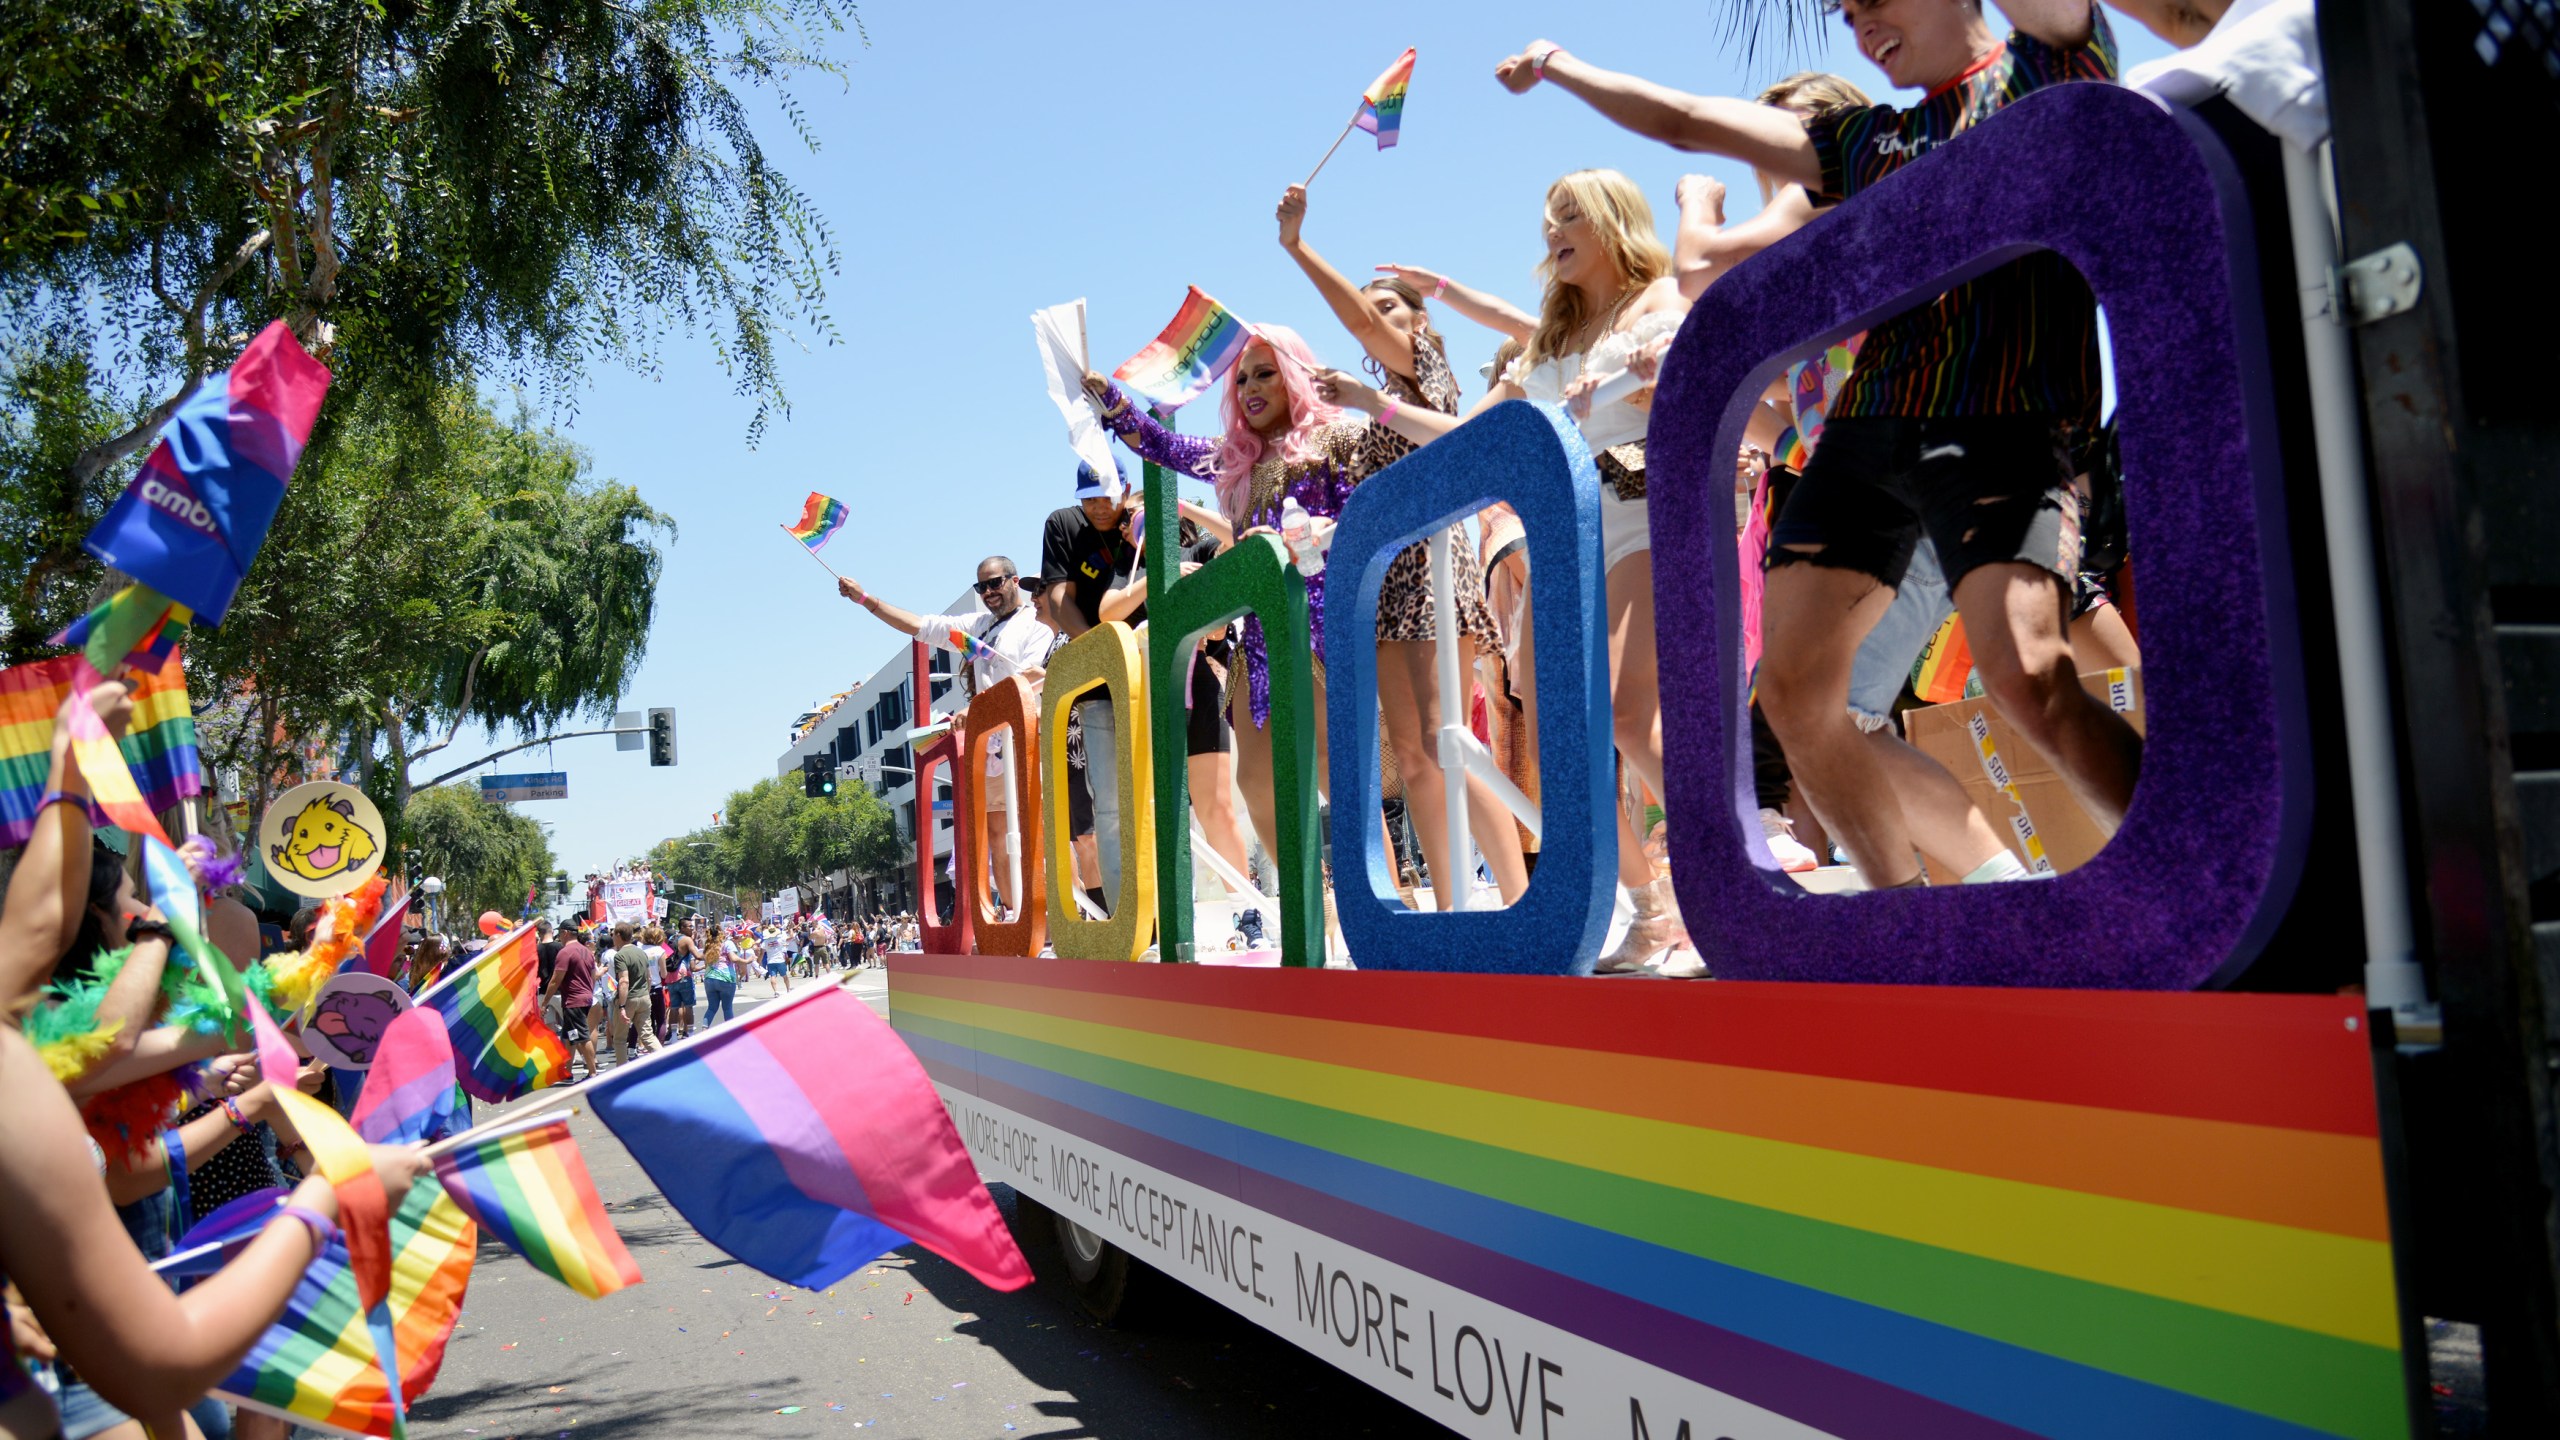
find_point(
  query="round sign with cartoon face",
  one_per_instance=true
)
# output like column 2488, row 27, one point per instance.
column 321, row 839
column 348, row 1017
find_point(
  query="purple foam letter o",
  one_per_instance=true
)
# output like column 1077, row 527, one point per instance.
column 2146, row 205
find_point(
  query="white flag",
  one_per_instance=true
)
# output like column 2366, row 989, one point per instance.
column 1059, row 332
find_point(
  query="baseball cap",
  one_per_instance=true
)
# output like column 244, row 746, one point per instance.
column 1093, row 485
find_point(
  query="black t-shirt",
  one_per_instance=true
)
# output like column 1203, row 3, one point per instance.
column 545, row 956
column 1075, row 549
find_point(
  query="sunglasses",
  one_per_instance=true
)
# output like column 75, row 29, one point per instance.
column 990, row 587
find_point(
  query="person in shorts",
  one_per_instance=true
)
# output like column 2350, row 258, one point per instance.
column 1953, row 426
column 570, row 994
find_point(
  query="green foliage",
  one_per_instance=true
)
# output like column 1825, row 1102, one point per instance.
column 776, row 836
column 412, row 581
column 487, row 855
column 428, row 191
column 50, row 408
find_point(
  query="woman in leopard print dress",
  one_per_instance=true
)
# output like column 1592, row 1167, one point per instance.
column 1282, row 442
column 1411, row 363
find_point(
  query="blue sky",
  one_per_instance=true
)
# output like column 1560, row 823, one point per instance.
column 988, row 160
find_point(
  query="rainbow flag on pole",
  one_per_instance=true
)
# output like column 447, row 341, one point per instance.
column 530, row 1188
column 1382, row 104
column 316, row 1364
column 159, row 747
column 1192, row 352
column 501, row 1048
column 819, row 521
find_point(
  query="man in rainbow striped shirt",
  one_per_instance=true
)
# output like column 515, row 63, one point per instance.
column 1952, row 427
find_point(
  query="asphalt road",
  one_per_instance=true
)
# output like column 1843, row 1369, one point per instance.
column 910, row 1347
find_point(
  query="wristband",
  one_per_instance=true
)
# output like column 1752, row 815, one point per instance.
column 1440, row 289
column 139, row 929
column 242, row 1122
column 322, row 1228
column 1538, row 62
column 1387, row 416
column 61, row 797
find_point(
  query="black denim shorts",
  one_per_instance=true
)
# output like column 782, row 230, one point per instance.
column 1986, row 489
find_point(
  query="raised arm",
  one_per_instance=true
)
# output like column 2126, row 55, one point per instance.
column 1386, row 344
column 2180, row 22
column 905, row 622
column 1707, row 247
column 1761, row 136
column 2068, row 24
column 49, row 889
column 1193, row 455
column 1482, row 306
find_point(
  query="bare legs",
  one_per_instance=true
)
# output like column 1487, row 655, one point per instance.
column 1253, row 759
column 1213, row 800
column 1409, row 696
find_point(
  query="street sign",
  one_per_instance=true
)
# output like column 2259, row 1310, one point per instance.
column 628, row 722
column 548, row 785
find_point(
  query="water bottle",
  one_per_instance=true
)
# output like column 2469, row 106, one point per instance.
column 1296, row 533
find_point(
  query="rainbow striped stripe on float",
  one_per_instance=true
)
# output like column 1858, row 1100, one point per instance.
column 1882, row 1212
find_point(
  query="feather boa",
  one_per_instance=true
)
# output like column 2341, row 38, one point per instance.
column 127, row 1120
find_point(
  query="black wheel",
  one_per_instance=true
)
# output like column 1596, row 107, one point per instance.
column 1098, row 1270
column 1034, row 1224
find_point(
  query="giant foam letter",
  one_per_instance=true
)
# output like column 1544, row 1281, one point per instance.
column 941, row 757
column 1533, row 457
column 1102, row 658
column 2211, row 849
column 1253, row 578
column 1006, row 707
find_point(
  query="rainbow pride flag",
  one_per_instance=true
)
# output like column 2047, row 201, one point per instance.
column 1382, row 104
column 820, row 518
column 501, row 1048
column 1945, row 665
column 159, row 747
column 316, row 1364
column 1878, row 1211
column 1191, row 353
column 530, row 1188
column 136, row 620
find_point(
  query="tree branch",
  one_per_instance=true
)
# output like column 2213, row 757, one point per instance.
column 461, row 708
column 92, row 461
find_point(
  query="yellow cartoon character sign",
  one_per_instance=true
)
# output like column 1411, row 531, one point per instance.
column 321, row 839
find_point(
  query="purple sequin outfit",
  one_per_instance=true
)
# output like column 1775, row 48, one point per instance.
column 1347, row 452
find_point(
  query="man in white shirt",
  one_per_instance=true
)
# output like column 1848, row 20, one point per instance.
column 1007, row 628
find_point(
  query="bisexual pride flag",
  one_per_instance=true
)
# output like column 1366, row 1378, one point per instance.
column 806, row 1141
column 1382, row 104
column 409, row 1096
column 193, row 519
column 820, row 519
column 1203, row 340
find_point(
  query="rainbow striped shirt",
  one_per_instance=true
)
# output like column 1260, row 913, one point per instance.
column 2019, row 340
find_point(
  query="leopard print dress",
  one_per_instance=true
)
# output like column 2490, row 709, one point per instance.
column 1404, row 596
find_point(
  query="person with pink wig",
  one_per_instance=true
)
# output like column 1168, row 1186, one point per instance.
column 1281, row 442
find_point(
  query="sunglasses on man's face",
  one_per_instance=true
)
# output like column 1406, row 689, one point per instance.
column 990, row 587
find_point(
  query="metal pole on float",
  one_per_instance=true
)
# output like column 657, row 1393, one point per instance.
column 1457, row 887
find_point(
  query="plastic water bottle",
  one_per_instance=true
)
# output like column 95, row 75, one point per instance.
column 1298, row 535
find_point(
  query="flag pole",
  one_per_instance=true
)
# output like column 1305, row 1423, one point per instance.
column 563, row 1094
column 1337, row 144
column 498, row 1129
column 812, row 554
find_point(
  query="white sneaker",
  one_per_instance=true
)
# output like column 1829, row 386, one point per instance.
column 1791, row 853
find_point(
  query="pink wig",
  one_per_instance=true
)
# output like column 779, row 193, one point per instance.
column 1241, row 448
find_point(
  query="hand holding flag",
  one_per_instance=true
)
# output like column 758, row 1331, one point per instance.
column 1380, row 112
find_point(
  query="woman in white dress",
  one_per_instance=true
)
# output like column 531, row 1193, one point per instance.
column 1610, row 293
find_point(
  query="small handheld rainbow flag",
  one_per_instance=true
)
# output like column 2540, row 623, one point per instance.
column 1945, row 666
column 530, row 1188
column 819, row 521
column 971, row 647
column 501, row 1048
column 1382, row 104
column 1192, row 352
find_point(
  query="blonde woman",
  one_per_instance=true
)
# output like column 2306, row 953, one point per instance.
column 1610, row 292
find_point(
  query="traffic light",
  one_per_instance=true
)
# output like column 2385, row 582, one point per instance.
column 817, row 775
column 662, row 735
